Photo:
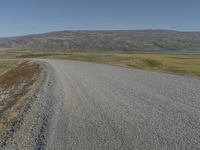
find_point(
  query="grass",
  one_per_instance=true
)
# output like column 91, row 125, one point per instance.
column 7, row 64
column 17, row 81
column 170, row 63
column 16, row 87
column 7, row 61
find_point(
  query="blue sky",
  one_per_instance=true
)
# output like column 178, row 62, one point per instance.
column 20, row 17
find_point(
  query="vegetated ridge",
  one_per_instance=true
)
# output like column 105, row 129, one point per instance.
column 127, row 40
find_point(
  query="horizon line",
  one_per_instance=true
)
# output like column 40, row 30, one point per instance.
column 93, row 30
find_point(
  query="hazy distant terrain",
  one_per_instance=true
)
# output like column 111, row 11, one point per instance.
column 133, row 40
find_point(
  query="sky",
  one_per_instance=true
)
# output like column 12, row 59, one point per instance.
column 21, row 17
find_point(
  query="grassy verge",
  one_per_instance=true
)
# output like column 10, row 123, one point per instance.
column 172, row 63
column 179, row 64
column 7, row 64
column 16, row 86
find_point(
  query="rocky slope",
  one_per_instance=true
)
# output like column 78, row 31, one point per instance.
column 133, row 40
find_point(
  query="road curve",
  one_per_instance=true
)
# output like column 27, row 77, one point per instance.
column 106, row 107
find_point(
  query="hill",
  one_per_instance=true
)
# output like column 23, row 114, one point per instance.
column 132, row 40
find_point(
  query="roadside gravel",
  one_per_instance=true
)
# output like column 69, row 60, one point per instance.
column 31, row 129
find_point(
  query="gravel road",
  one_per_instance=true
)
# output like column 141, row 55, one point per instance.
column 106, row 107
column 90, row 106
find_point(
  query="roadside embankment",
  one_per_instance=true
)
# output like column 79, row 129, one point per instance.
column 33, row 107
column 17, row 86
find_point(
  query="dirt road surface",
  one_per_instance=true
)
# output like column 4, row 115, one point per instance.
column 93, row 106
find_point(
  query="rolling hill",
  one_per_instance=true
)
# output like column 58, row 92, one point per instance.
column 130, row 40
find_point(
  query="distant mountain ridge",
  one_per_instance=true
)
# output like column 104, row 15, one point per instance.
column 130, row 40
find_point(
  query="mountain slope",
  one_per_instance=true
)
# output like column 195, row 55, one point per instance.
column 133, row 40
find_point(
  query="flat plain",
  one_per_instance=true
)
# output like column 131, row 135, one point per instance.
column 183, row 64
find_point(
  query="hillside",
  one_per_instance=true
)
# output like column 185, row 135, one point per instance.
column 133, row 40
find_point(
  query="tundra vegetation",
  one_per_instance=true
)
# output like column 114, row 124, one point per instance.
column 18, row 80
column 171, row 63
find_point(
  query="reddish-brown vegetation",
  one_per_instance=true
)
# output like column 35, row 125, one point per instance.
column 16, row 86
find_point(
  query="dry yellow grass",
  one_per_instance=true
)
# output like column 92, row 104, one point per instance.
column 179, row 64
column 172, row 63
column 7, row 64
